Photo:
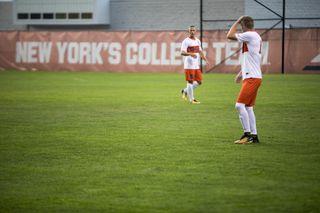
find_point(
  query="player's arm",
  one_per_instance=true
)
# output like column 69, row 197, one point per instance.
column 204, row 57
column 239, row 77
column 232, row 32
column 184, row 53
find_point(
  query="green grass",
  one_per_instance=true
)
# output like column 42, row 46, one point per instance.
column 124, row 142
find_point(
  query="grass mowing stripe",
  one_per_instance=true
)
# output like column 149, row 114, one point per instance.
column 127, row 142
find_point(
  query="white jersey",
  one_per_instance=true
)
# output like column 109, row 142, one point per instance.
column 190, row 45
column 251, row 54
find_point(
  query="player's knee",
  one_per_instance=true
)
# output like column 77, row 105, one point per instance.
column 199, row 82
column 240, row 107
column 249, row 109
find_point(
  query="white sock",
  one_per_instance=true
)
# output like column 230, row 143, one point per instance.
column 190, row 91
column 252, row 120
column 195, row 84
column 244, row 117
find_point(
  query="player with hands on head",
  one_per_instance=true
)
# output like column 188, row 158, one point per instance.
column 251, row 75
column 191, row 48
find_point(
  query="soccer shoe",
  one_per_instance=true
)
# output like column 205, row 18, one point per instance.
column 244, row 139
column 184, row 95
column 255, row 139
column 195, row 102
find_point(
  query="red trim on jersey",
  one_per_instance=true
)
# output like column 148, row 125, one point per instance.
column 245, row 48
column 260, row 47
column 192, row 38
column 193, row 49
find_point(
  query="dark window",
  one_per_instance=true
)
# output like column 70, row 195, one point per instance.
column 23, row 15
column 48, row 16
column 86, row 15
column 35, row 16
column 73, row 15
column 61, row 16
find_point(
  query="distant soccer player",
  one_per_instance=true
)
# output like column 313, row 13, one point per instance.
column 191, row 47
column 251, row 75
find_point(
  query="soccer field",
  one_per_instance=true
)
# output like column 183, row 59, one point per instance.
column 128, row 142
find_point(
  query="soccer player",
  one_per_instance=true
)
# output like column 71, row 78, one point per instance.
column 251, row 75
column 191, row 47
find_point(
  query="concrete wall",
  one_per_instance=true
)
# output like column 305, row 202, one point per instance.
column 6, row 17
column 163, row 15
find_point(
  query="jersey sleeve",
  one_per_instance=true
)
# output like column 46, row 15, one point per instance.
column 184, row 46
column 243, row 37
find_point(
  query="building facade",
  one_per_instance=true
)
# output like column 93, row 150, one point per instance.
column 176, row 15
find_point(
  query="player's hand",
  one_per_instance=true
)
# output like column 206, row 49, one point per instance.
column 240, row 19
column 238, row 78
column 208, row 63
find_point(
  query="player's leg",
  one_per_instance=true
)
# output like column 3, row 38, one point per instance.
column 190, row 90
column 254, row 86
column 253, row 127
column 197, row 82
column 252, row 120
column 190, row 78
column 244, row 119
column 243, row 114
column 184, row 91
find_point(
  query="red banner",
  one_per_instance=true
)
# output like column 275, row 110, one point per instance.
column 152, row 51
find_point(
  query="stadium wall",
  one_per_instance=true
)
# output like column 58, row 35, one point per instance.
column 150, row 51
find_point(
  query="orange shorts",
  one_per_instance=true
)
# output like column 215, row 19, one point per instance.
column 249, row 90
column 193, row 75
